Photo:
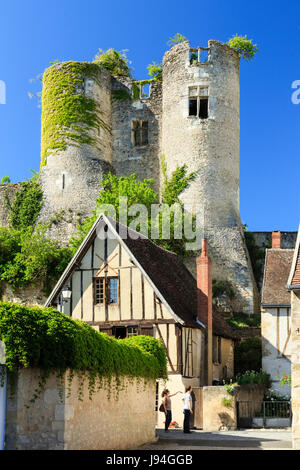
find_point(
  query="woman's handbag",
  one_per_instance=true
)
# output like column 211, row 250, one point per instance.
column 162, row 408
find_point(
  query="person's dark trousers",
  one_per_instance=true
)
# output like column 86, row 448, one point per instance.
column 168, row 419
column 186, row 422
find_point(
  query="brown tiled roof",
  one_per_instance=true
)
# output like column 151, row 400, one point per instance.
column 170, row 276
column 296, row 276
column 277, row 268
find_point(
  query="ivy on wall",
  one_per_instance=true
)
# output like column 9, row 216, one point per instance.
column 67, row 114
column 26, row 205
column 53, row 342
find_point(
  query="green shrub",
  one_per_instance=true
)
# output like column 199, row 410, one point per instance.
column 222, row 287
column 242, row 320
column 176, row 39
column 115, row 62
column 155, row 70
column 27, row 257
column 248, row 355
column 48, row 339
column 243, row 46
column 253, row 377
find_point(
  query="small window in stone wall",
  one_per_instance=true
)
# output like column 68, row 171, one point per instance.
column 198, row 102
column 199, row 55
column 139, row 133
column 217, row 359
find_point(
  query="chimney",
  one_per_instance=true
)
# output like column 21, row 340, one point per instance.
column 204, row 285
column 276, row 239
column 204, row 308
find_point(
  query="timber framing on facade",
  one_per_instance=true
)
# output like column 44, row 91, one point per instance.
column 122, row 284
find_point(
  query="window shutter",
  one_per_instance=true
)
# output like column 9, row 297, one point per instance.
column 146, row 330
column 108, row 331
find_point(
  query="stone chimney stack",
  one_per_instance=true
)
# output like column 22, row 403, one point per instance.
column 204, row 305
column 276, row 239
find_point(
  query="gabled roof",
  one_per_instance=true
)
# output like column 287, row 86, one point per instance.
column 172, row 282
column 277, row 267
column 294, row 275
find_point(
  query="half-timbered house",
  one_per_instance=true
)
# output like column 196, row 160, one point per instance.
column 276, row 314
column 122, row 284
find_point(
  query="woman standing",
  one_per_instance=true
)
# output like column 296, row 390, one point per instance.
column 167, row 405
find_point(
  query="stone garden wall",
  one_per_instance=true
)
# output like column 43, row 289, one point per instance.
column 56, row 423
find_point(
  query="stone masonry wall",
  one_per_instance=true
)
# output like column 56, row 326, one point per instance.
column 7, row 191
column 98, row 424
column 71, row 178
column 211, row 146
column 144, row 160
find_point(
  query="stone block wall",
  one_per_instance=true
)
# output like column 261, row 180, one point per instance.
column 7, row 191
column 58, row 423
column 216, row 416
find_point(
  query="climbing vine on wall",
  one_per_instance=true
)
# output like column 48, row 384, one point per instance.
column 67, row 114
column 26, row 205
column 53, row 342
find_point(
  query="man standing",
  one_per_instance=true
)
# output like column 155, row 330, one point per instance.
column 187, row 409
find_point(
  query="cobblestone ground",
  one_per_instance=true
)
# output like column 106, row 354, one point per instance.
column 248, row 439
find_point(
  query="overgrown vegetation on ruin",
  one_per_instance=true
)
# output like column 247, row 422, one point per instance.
column 53, row 342
column 67, row 114
column 243, row 46
column 115, row 62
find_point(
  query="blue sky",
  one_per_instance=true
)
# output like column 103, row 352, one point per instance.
column 33, row 33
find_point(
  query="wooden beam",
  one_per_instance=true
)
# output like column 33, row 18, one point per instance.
column 143, row 296
column 167, row 352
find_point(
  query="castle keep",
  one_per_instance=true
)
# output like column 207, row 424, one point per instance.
column 93, row 122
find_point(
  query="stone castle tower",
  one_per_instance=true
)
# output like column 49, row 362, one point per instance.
column 93, row 122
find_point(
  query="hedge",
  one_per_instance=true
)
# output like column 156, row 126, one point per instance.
column 49, row 340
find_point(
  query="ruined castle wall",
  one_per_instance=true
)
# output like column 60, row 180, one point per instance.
column 128, row 158
column 71, row 177
column 7, row 191
column 211, row 146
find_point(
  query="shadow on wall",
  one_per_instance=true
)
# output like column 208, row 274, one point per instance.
column 226, row 422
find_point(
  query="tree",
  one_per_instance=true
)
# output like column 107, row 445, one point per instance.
column 141, row 192
column 176, row 39
column 243, row 46
column 155, row 70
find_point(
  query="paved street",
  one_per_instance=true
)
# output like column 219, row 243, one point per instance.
column 248, row 439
